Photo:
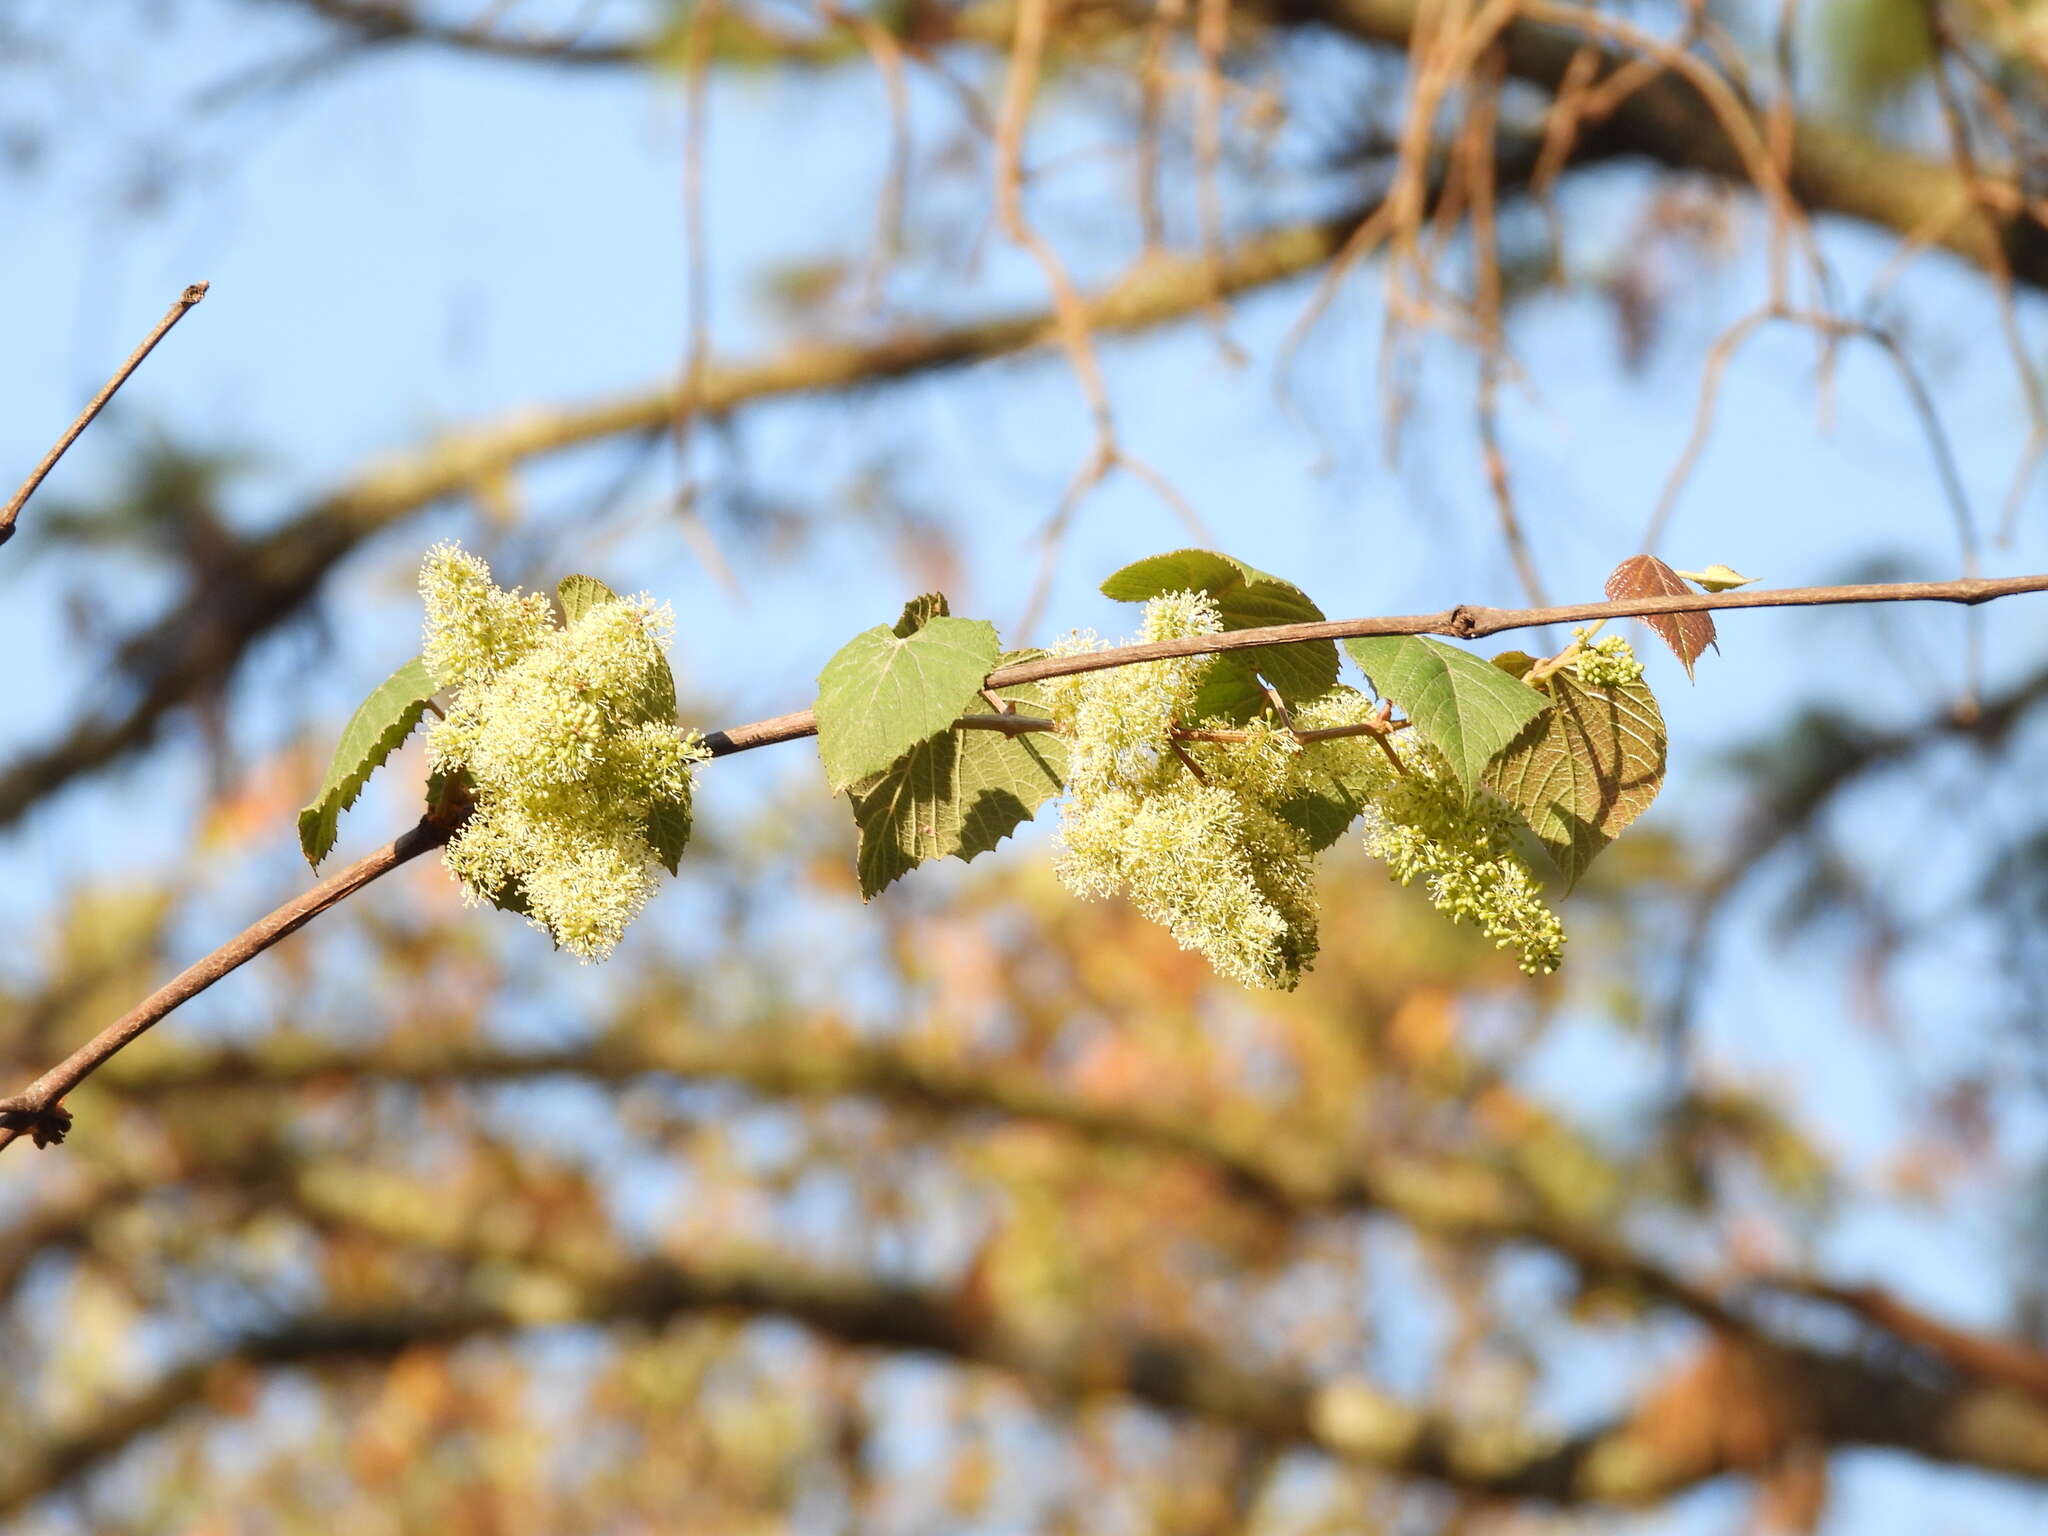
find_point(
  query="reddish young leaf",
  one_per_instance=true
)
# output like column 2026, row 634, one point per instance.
column 1688, row 634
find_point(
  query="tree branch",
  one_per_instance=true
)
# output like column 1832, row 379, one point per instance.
column 1831, row 753
column 1464, row 622
column 38, row 1109
column 1630, row 1462
column 98, row 403
column 394, row 21
column 1829, row 170
column 1267, row 1159
column 1978, row 216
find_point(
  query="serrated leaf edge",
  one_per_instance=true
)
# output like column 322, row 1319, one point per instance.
column 319, row 820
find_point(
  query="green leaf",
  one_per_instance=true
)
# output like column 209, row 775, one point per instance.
column 668, row 831
column 920, row 611
column 1587, row 768
column 373, row 733
column 450, row 794
column 1468, row 709
column 1717, row 578
column 883, row 693
column 512, row 899
column 1325, row 810
column 1330, row 801
column 1248, row 599
column 578, row 595
column 958, row 794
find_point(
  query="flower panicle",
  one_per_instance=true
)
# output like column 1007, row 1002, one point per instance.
column 1422, row 827
column 567, row 737
column 1202, row 850
column 1608, row 662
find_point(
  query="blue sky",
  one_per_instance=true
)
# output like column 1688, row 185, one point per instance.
column 424, row 240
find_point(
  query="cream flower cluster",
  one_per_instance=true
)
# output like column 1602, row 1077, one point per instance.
column 569, row 745
column 1422, row 827
column 1204, row 853
column 1609, row 662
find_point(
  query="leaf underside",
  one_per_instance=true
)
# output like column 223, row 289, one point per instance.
column 1467, row 708
column 957, row 794
column 1324, row 810
column 373, row 733
column 1585, row 769
column 920, row 611
column 883, row 693
column 1248, row 598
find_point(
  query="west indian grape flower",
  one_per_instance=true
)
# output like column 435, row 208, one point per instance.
column 1118, row 720
column 1359, row 761
column 1203, row 853
column 1609, row 662
column 1422, row 827
column 565, row 738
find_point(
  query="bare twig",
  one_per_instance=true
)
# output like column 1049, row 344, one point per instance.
column 1009, row 725
column 387, row 22
column 887, row 55
column 172, row 316
column 1982, row 1355
column 1377, row 726
column 696, row 533
column 38, row 1108
column 1152, row 93
column 1832, row 329
column 1779, row 818
column 1477, row 146
column 1212, row 39
column 1072, row 323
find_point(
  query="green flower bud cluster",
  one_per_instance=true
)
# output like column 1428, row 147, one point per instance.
column 1204, row 850
column 567, row 741
column 1609, row 662
column 1422, row 827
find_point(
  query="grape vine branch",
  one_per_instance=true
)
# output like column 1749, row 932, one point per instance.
column 38, row 1109
column 1464, row 622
